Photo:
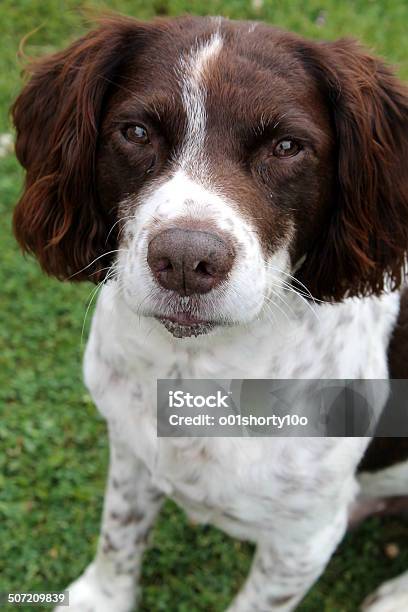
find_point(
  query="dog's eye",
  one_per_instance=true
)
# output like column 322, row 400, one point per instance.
column 137, row 134
column 286, row 148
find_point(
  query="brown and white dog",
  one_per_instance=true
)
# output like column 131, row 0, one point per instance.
column 216, row 175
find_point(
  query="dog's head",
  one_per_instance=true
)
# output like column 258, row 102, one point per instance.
column 211, row 162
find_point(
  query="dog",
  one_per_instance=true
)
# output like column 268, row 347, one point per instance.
column 241, row 194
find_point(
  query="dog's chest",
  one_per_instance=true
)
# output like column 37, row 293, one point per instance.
column 239, row 484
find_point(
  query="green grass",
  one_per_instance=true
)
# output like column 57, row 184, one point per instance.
column 53, row 451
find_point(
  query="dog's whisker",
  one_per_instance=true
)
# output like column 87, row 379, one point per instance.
column 93, row 295
column 275, row 305
column 290, row 289
column 295, row 280
column 280, row 297
column 95, row 260
column 125, row 219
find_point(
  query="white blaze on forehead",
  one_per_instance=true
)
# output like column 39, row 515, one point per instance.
column 193, row 70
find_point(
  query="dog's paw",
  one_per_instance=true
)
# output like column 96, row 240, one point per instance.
column 90, row 593
column 392, row 596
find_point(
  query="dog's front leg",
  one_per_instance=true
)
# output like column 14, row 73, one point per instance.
column 131, row 505
column 283, row 570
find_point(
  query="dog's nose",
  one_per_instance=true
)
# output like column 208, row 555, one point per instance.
column 189, row 261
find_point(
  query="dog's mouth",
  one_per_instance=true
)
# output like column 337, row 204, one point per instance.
column 185, row 325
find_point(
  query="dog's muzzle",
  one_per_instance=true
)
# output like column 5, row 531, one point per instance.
column 189, row 262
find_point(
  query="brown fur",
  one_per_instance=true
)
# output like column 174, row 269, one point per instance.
column 384, row 452
column 57, row 116
column 367, row 233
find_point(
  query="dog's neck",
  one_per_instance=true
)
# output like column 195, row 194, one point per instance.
column 300, row 340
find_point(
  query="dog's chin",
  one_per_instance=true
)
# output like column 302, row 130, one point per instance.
column 182, row 325
column 187, row 331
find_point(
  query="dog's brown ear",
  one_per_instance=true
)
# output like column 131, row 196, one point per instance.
column 57, row 116
column 362, row 250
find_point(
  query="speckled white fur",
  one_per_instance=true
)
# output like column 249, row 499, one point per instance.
column 290, row 496
column 392, row 596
